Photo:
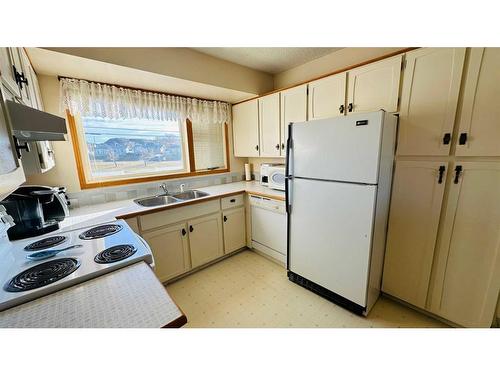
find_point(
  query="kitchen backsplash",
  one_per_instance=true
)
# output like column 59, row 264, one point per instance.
column 117, row 193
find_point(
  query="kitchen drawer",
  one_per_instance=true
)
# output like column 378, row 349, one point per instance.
column 174, row 215
column 232, row 201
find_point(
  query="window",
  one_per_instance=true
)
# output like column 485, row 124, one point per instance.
column 114, row 152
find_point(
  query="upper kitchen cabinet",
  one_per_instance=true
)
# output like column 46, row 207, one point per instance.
column 417, row 196
column 269, row 125
column 293, row 109
column 11, row 69
column 327, row 97
column 26, row 84
column 431, row 85
column 246, row 129
column 467, row 272
column 479, row 124
column 374, row 86
column 11, row 171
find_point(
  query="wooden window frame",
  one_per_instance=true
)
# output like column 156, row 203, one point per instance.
column 84, row 184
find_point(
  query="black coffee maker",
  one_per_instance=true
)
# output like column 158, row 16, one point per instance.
column 36, row 210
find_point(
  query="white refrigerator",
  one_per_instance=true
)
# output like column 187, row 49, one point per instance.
column 339, row 174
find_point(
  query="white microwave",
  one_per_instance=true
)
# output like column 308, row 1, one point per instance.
column 276, row 177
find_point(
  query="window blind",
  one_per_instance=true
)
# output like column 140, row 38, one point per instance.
column 209, row 143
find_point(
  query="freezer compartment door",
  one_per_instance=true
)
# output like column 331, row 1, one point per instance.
column 339, row 149
column 330, row 232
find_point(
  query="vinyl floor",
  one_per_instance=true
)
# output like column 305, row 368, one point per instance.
column 249, row 290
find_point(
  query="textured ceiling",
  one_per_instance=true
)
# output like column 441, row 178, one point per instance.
column 270, row 59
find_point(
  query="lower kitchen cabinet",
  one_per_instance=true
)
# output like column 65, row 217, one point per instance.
column 417, row 196
column 170, row 250
column 205, row 239
column 466, row 283
column 234, row 229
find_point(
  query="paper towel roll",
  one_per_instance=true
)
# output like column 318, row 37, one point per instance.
column 248, row 175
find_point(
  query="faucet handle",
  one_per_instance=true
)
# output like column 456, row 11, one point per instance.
column 164, row 187
column 182, row 187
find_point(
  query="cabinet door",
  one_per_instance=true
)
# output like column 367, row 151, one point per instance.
column 9, row 60
column 417, row 196
column 234, row 229
column 374, row 86
column 11, row 172
column 293, row 109
column 170, row 250
column 431, row 84
column 246, row 128
column 479, row 125
column 467, row 278
column 326, row 97
column 205, row 239
column 269, row 125
column 34, row 89
column 27, row 92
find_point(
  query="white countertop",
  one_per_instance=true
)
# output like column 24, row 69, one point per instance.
column 131, row 297
column 103, row 212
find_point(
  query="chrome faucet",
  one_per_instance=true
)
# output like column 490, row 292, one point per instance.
column 181, row 187
column 164, row 187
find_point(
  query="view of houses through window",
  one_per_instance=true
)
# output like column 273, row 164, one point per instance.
column 123, row 148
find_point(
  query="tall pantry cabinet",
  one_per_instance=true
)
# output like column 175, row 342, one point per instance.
column 443, row 244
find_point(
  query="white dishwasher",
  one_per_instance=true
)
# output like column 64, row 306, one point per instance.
column 269, row 226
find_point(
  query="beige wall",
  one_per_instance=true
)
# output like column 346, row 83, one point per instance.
column 181, row 63
column 65, row 173
column 334, row 61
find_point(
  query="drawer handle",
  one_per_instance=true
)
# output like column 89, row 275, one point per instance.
column 446, row 138
column 462, row 139
column 232, row 200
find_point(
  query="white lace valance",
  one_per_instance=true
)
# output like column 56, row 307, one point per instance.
column 107, row 101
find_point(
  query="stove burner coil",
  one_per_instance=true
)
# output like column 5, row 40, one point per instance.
column 45, row 243
column 42, row 274
column 100, row 231
column 115, row 254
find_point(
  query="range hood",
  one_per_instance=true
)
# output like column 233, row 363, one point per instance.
column 29, row 124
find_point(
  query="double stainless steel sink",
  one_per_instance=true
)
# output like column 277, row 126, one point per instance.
column 166, row 199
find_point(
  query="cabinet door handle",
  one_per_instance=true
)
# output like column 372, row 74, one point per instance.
column 18, row 146
column 278, row 146
column 191, row 228
column 462, row 139
column 441, row 173
column 232, row 200
column 446, row 138
column 458, row 171
column 282, row 146
column 183, row 231
column 350, row 107
column 257, row 147
column 225, row 218
column 341, row 109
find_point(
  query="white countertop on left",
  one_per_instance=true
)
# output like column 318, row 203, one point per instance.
column 131, row 297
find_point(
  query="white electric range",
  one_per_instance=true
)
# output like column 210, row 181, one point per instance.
column 99, row 249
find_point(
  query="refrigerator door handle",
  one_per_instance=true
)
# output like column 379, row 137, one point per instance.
column 288, row 176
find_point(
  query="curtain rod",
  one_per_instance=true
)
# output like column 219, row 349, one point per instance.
column 142, row 89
